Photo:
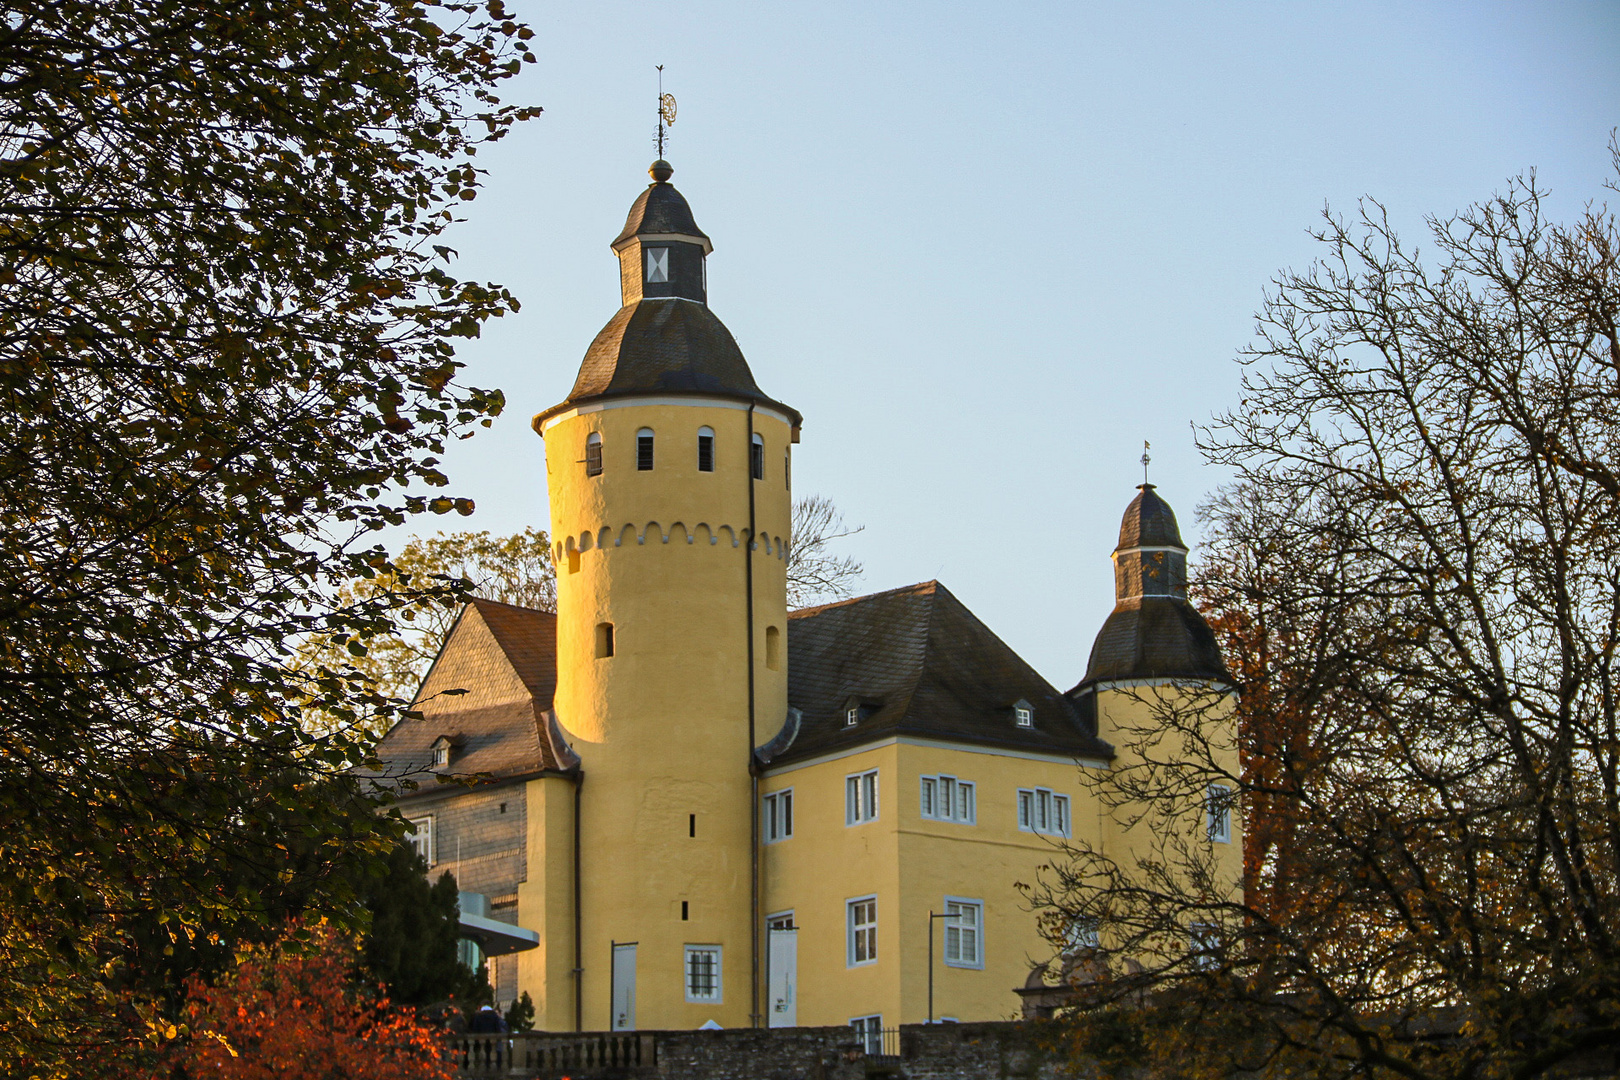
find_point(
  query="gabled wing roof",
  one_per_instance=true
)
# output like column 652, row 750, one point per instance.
column 505, row 657
column 917, row 662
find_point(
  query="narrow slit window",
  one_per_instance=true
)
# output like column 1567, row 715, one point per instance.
column 787, row 469
column 644, row 450
column 773, row 648
column 757, row 457
column 593, row 454
column 604, row 640
column 705, row 449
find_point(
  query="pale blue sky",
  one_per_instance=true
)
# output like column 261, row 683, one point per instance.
column 987, row 249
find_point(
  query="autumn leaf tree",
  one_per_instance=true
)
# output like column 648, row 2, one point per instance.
column 1417, row 568
column 228, row 355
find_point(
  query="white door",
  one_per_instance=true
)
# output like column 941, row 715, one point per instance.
column 624, row 987
column 782, row 977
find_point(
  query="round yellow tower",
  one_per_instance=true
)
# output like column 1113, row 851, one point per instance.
column 669, row 476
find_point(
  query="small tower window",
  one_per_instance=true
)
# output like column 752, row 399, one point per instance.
column 773, row 648
column 593, row 454
column 657, row 264
column 787, row 469
column 705, row 449
column 604, row 640
column 644, row 450
column 757, row 457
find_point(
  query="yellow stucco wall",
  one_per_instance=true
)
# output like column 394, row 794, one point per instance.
column 912, row 864
column 662, row 725
column 546, row 903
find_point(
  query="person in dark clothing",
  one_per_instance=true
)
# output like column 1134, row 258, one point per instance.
column 487, row 1022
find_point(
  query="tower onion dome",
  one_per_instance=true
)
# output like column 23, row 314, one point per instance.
column 1153, row 632
column 664, row 340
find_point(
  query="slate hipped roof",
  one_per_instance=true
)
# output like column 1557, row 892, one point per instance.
column 496, row 736
column 917, row 662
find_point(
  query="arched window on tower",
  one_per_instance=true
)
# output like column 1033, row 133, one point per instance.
column 758, row 456
column 644, row 450
column 705, row 449
column 593, row 454
column 773, row 648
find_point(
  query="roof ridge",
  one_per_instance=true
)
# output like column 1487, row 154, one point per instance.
column 476, row 599
column 931, row 583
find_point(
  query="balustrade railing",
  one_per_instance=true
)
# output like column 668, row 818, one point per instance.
column 546, row 1055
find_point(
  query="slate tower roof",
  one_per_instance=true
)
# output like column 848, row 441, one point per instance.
column 664, row 340
column 1153, row 632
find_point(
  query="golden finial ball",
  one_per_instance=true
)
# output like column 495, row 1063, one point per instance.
column 661, row 171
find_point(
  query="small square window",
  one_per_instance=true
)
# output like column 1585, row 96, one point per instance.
column 852, row 716
column 703, row 973
column 1024, row 715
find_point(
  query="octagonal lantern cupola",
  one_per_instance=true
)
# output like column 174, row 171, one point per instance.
column 661, row 249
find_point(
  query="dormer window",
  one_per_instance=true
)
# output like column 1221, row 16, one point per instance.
column 1023, row 713
column 657, row 264
column 441, row 752
column 852, row 716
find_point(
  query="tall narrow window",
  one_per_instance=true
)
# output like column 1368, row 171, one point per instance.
column 657, row 264
column 869, row 1033
column 773, row 648
column 593, row 454
column 787, row 469
column 705, row 449
column 644, row 450
column 757, row 457
column 778, row 816
column 962, row 933
column 1218, row 803
column 421, row 838
column 861, row 798
column 604, row 640
column 862, row 931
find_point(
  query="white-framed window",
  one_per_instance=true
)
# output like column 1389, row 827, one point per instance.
column 852, row 716
column 777, row 816
column 756, row 457
column 1042, row 810
column 1203, row 946
column 421, row 837
column 964, row 932
column 657, row 264
column 703, row 974
column 947, row 798
column 868, row 1032
column 441, row 752
column 1218, row 807
column 861, row 919
column 1082, row 933
column 1024, row 715
column 861, row 798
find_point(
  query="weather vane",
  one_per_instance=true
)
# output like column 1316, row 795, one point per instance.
column 1146, row 446
column 666, row 112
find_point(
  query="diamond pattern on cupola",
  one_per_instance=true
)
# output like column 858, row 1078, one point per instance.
column 661, row 249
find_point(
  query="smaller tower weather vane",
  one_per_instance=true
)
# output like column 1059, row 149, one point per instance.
column 1146, row 446
column 666, row 112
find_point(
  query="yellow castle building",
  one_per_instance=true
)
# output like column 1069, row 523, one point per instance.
column 688, row 805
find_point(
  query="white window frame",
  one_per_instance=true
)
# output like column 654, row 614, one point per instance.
column 718, row 996
column 419, row 839
column 869, row 1029
column 1046, row 812
column 963, row 904
column 1218, row 813
column 852, row 716
column 941, row 797
column 852, row 929
column 776, row 816
column 1024, row 715
column 861, row 797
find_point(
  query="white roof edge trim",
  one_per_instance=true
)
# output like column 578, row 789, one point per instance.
column 653, row 399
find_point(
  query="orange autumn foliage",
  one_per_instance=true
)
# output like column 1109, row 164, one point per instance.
column 287, row 1014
